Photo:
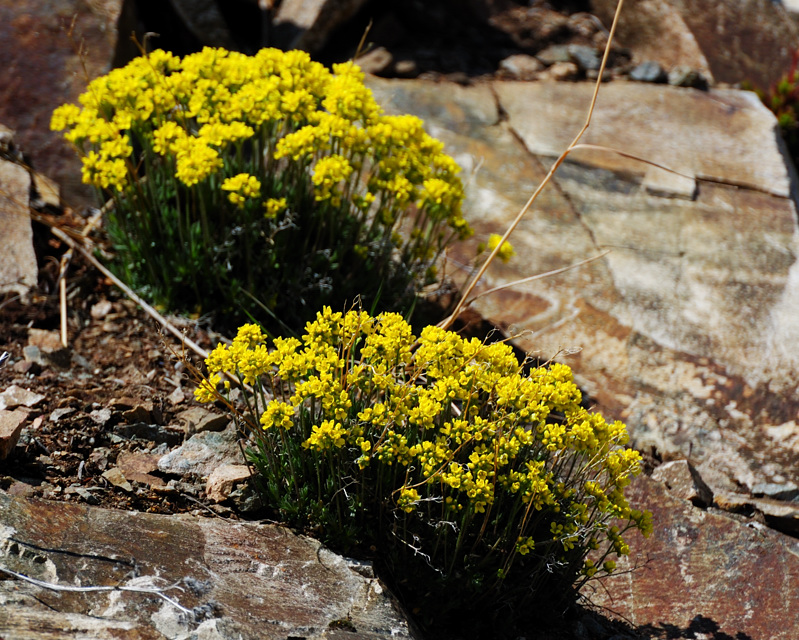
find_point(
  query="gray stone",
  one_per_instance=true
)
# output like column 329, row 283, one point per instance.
column 308, row 24
column 152, row 432
column 554, row 53
column 724, row 135
column 700, row 566
column 587, row 58
column 237, row 581
column 202, row 453
column 685, row 76
column 776, row 491
column 684, row 482
column 649, row 71
column 18, row 268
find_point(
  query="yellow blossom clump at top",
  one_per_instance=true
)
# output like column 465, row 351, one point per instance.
column 236, row 178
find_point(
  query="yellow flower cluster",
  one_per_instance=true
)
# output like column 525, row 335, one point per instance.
column 457, row 421
column 196, row 110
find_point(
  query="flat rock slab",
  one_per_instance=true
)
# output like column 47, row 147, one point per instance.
column 688, row 330
column 722, row 135
column 240, row 581
column 704, row 573
column 18, row 269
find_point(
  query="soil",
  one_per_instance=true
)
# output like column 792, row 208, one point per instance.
column 119, row 361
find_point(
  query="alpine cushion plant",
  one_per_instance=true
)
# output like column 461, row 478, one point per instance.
column 236, row 179
column 485, row 490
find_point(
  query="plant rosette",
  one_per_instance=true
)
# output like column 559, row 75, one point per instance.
column 236, row 178
column 483, row 487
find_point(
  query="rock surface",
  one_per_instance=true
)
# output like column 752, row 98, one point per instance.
column 42, row 69
column 688, row 329
column 702, row 572
column 18, row 268
column 728, row 40
column 233, row 581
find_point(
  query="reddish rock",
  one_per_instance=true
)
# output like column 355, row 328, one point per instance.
column 139, row 467
column 733, row 40
column 684, row 481
column 42, row 70
column 704, row 572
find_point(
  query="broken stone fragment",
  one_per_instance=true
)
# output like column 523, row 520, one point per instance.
column 202, row 453
column 16, row 396
column 197, row 419
column 10, row 428
column 684, row 481
column 246, row 581
column 139, row 467
column 118, row 479
column 779, row 515
column 18, row 269
column 222, row 480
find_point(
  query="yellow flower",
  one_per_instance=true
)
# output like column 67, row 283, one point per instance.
column 274, row 207
column 242, row 187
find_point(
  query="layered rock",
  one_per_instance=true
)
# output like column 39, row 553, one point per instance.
column 223, row 580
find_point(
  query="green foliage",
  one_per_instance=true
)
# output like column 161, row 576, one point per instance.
column 263, row 186
column 483, row 488
column 782, row 99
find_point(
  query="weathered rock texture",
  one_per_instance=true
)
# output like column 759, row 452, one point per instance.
column 733, row 40
column 18, row 269
column 689, row 329
column 704, row 573
column 240, row 581
column 43, row 49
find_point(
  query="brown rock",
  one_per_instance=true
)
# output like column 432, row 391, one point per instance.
column 684, row 482
column 778, row 514
column 728, row 40
column 42, row 70
column 243, row 581
column 307, row 24
column 16, row 396
column 18, row 269
column 139, row 467
column 117, row 478
column 48, row 193
column 197, row 419
column 10, row 428
column 703, row 571
column 521, row 66
column 376, row 61
column 222, row 480
column 562, row 71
